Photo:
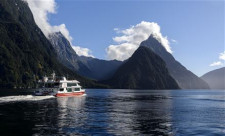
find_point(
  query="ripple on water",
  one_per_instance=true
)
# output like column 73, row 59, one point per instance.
column 116, row 112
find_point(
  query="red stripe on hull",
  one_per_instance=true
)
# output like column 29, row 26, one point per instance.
column 69, row 94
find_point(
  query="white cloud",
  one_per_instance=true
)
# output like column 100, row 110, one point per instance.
column 83, row 51
column 217, row 63
column 131, row 38
column 222, row 56
column 41, row 9
column 174, row 41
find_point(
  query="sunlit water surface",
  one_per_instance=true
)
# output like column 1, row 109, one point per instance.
column 115, row 112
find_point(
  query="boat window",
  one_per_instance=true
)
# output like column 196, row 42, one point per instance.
column 69, row 89
column 71, row 84
column 77, row 89
column 61, row 89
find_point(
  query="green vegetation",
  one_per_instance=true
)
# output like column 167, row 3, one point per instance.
column 25, row 53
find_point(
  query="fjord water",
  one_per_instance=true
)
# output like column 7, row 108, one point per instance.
column 116, row 112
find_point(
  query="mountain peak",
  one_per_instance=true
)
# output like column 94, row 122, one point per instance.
column 57, row 35
column 185, row 78
column 143, row 70
column 64, row 50
column 153, row 41
column 26, row 54
column 86, row 66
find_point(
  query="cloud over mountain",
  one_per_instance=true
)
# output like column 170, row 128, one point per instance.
column 41, row 9
column 130, row 39
column 222, row 56
column 83, row 51
column 221, row 61
column 217, row 63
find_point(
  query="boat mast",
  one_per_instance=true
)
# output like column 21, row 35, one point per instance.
column 53, row 76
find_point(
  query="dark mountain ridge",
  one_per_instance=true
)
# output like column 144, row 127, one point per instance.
column 185, row 78
column 25, row 53
column 143, row 70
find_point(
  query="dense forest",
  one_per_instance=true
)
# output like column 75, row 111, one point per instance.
column 25, row 53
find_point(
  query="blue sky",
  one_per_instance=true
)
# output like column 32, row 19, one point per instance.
column 197, row 26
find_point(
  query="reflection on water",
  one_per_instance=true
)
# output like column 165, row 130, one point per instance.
column 71, row 115
column 71, row 102
column 117, row 112
column 141, row 113
column 156, row 119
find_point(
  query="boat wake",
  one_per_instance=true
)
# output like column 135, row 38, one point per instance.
column 23, row 98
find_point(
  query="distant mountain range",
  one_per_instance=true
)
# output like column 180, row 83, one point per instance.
column 102, row 70
column 26, row 55
column 92, row 68
column 215, row 78
column 143, row 70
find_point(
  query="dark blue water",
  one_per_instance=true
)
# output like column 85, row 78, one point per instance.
column 116, row 112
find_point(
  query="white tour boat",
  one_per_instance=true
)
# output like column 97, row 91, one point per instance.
column 58, row 86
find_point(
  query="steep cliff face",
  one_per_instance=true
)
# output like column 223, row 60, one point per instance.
column 25, row 53
column 143, row 70
column 86, row 66
column 215, row 78
column 185, row 78
column 65, row 52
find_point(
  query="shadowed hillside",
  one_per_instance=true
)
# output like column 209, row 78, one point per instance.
column 25, row 53
column 215, row 78
column 143, row 70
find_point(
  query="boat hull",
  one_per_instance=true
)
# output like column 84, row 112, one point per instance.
column 70, row 94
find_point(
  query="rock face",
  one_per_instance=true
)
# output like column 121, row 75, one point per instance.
column 86, row 66
column 65, row 52
column 143, row 70
column 215, row 78
column 185, row 78
column 25, row 53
